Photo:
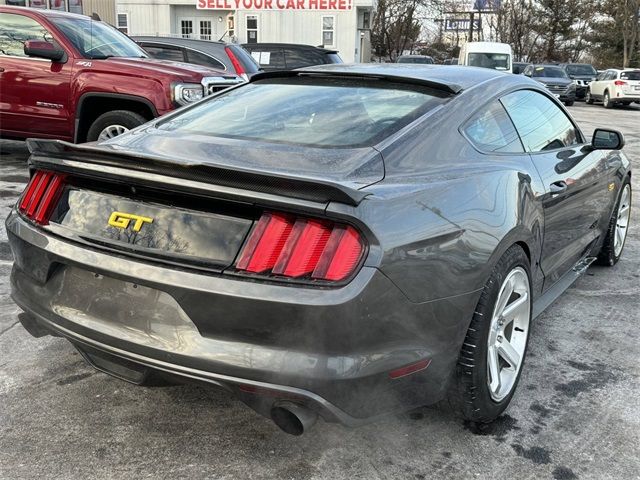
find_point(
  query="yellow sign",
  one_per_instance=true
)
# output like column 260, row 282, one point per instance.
column 122, row 220
column 612, row 186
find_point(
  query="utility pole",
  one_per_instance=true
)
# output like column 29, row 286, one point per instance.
column 471, row 15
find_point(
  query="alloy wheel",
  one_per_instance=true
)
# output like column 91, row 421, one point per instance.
column 508, row 334
column 112, row 131
column 622, row 222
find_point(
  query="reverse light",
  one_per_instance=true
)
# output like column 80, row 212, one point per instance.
column 300, row 247
column 41, row 196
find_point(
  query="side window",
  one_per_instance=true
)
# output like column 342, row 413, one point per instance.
column 491, row 130
column 297, row 58
column 612, row 75
column 202, row 59
column 17, row 29
column 270, row 59
column 542, row 125
column 164, row 53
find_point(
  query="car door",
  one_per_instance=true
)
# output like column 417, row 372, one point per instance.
column 576, row 196
column 597, row 86
column 35, row 92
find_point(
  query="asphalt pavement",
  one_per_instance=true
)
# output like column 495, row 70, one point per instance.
column 576, row 413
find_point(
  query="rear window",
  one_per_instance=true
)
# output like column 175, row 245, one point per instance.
column 321, row 112
column 635, row 75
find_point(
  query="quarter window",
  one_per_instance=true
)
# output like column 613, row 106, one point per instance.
column 328, row 31
column 202, row 59
column 491, row 130
column 17, row 29
column 542, row 125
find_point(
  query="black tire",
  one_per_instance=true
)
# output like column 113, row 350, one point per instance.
column 569, row 103
column 606, row 101
column 588, row 99
column 607, row 255
column 469, row 393
column 124, row 118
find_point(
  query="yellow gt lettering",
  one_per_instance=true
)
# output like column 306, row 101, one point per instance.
column 122, row 220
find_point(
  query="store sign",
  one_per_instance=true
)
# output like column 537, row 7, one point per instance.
column 325, row 5
column 461, row 24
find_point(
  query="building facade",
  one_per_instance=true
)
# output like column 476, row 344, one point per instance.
column 105, row 9
column 343, row 25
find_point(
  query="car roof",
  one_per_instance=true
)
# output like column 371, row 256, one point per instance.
column 415, row 56
column 181, row 42
column 289, row 45
column 452, row 79
column 42, row 12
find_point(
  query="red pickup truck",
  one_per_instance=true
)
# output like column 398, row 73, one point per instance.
column 69, row 77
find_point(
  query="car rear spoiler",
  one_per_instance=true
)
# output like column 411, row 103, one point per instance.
column 65, row 156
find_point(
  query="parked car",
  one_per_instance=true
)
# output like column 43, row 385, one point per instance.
column 287, row 56
column 615, row 87
column 450, row 61
column 227, row 57
column 582, row 74
column 337, row 241
column 555, row 79
column 493, row 55
column 420, row 59
column 66, row 76
column 519, row 67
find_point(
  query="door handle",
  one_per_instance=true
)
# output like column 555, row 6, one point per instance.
column 558, row 187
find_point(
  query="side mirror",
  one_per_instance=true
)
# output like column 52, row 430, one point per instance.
column 604, row 139
column 42, row 49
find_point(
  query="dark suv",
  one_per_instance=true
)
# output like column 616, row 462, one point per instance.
column 220, row 55
column 287, row 56
column 555, row 79
column 582, row 74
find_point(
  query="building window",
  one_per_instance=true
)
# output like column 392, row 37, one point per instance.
column 123, row 23
column 186, row 28
column 231, row 27
column 366, row 20
column 205, row 29
column 252, row 29
column 328, row 31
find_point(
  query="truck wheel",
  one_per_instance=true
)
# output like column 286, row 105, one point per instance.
column 111, row 124
column 494, row 348
column 588, row 98
column 618, row 228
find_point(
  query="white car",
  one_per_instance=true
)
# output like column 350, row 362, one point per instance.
column 614, row 87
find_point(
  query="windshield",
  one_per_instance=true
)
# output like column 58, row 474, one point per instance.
column 97, row 39
column 581, row 70
column 322, row 112
column 495, row 61
column 554, row 72
column 427, row 60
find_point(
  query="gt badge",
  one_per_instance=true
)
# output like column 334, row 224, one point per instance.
column 122, row 220
column 612, row 186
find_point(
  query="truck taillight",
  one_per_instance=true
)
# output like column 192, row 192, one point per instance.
column 619, row 83
column 296, row 247
column 234, row 61
column 41, row 195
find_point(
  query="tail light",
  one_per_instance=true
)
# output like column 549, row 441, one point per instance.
column 41, row 196
column 619, row 83
column 234, row 61
column 296, row 247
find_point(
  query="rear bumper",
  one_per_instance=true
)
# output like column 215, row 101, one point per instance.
column 331, row 349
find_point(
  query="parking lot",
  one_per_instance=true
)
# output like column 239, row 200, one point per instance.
column 576, row 413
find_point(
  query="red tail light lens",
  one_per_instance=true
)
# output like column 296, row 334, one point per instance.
column 619, row 83
column 237, row 66
column 298, row 247
column 41, row 196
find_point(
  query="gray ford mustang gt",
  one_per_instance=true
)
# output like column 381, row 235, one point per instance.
column 342, row 241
